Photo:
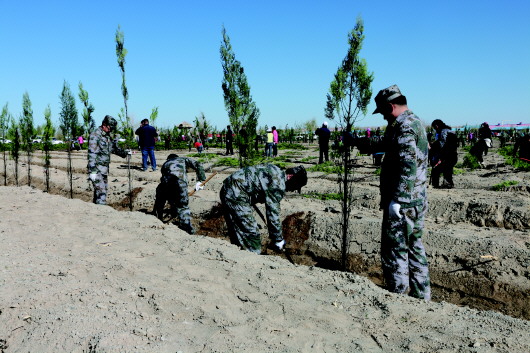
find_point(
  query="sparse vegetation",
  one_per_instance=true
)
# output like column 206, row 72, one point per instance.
column 504, row 185
column 507, row 153
column 470, row 162
column 327, row 167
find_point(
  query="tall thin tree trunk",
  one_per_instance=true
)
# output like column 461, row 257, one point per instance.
column 5, row 168
column 345, row 209
column 70, row 176
column 29, row 168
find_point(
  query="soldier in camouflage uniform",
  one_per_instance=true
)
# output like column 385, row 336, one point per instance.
column 264, row 183
column 173, row 188
column 100, row 146
column 403, row 196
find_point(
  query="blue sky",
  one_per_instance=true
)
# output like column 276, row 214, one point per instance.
column 459, row 61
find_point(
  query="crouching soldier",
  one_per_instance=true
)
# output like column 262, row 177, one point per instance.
column 100, row 146
column 264, row 183
column 173, row 188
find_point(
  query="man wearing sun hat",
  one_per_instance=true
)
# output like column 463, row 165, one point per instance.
column 403, row 196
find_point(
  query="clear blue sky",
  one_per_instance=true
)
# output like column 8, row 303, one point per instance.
column 459, row 61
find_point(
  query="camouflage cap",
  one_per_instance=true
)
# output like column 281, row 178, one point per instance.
column 386, row 95
column 110, row 122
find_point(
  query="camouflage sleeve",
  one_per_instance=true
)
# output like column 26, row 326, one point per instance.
column 443, row 138
column 406, row 166
column 199, row 170
column 117, row 150
column 93, row 151
column 272, row 205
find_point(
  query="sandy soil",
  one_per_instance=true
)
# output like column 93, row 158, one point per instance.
column 77, row 277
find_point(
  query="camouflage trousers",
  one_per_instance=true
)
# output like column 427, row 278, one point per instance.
column 242, row 226
column 403, row 256
column 100, row 189
column 174, row 191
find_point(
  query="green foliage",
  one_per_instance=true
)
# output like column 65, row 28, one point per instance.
column 509, row 158
column 377, row 171
column 88, row 121
column 308, row 159
column 69, row 123
column 153, row 116
column 504, row 185
column 228, row 162
column 326, row 196
column 470, row 162
column 291, row 146
column 458, row 171
column 26, row 123
column 203, row 155
column 241, row 109
column 327, row 167
column 121, row 52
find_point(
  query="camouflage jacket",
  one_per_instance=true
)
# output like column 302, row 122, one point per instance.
column 263, row 183
column 176, row 169
column 404, row 168
column 100, row 146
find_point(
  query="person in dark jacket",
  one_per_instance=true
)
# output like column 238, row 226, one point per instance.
column 147, row 137
column 229, row 141
column 323, row 134
column 443, row 154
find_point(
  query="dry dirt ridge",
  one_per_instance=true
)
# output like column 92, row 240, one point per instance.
column 477, row 239
column 77, row 277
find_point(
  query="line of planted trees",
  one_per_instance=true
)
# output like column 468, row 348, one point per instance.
column 348, row 98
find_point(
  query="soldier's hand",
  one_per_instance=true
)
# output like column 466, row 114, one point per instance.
column 199, row 186
column 393, row 209
column 92, row 176
column 280, row 244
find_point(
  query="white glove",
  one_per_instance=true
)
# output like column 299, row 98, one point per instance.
column 199, row 186
column 393, row 209
column 280, row 244
column 92, row 176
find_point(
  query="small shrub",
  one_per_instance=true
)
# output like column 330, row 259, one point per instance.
column 377, row 171
column 470, row 162
column 504, row 185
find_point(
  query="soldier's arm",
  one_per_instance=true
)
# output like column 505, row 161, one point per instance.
column 199, row 170
column 272, row 207
column 93, row 150
column 407, row 166
column 117, row 150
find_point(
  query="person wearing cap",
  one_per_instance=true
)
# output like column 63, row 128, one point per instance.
column 444, row 154
column 323, row 134
column 100, row 146
column 263, row 183
column 269, row 144
column 173, row 188
column 403, row 196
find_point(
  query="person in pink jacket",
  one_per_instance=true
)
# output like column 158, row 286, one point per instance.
column 275, row 141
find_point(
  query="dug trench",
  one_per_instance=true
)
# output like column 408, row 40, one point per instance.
column 483, row 274
column 479, row 250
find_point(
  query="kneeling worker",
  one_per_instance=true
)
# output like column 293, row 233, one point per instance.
column 264, row 183
column 173, row 188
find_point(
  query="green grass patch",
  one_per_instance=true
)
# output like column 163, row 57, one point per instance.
column 509, row 158
column 228, row 162
column 308, row 159
column 458, row 171
column 327, row 167
column 504, row 185
column 291, row 146
column 377, row 171
column 321, row 196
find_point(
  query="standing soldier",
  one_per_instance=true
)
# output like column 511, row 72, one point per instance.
column 403, row 196
column 100, row 146
column 264, row 183
column 173, row 188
